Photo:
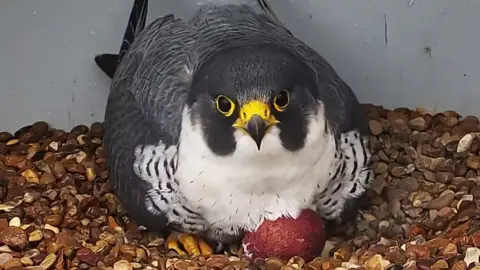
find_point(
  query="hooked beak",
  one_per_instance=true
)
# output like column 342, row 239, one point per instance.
column 256, row 119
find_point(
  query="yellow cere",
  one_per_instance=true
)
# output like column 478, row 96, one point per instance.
column 254, row 107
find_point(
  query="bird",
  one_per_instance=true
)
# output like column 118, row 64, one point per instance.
column 218, row 122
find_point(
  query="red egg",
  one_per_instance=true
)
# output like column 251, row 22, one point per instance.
column 287, row 237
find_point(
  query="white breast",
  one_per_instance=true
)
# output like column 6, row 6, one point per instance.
column 251, row 185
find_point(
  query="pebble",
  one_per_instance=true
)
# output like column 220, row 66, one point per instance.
column 409, row 184
column 465, row 202
column 460, row 265
column 47, row 179
column 49, row 261
column 26, row 261
column 473, row 162
column 472, row 255
column 376, row 262
column 420, row 197
column 15, row 222
column 465, row 143
column 440, row 202
column 450, row 250
column 444, row 177
column 53, row 220
column 122, row 265
column 379, row 184
column 51, row 228
column 396, row 193
column 418, row 124
column 4, row 258
column 475, row 191
column 34, row 236
column 14, row 237
column 87, row 256
column 440, row 264
column 31, row 176
column 375, row 127
column 13, row 264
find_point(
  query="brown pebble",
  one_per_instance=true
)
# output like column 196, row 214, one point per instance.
column 128, row 250
column 274, row 263
column 39, row 128
column 409, row 184
column 475, row 191
column 217, row 261
column 14, row 263
column 418, row 252
column 3, row 224
column 96, row 130
column 87, row 256
column 14, row 237
column 450, row 250
column 375, row 127
column 47, row 179
column 444, row 177
column 440, row 202
column 54, row 220
column 5, row 136
column 460, row 265
column 473, row 162
column 418, row 123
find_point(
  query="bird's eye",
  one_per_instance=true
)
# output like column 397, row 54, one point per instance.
column 225, row 105
column 281, row 100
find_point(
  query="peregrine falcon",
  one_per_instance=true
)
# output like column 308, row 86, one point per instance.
column 217, row 123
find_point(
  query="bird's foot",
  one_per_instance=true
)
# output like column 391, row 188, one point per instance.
column 192, row 245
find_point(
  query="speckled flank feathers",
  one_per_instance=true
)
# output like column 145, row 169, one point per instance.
column 161, row 165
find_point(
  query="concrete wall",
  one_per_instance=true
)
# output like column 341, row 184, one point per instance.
column 399, row 53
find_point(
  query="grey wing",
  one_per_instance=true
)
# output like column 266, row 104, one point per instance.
column 157, row 73
column 144, row 108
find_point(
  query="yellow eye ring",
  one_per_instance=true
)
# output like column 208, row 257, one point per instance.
column 225, row 105
column 281, row 100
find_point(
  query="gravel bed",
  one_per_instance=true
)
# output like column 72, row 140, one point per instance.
column 57, row 210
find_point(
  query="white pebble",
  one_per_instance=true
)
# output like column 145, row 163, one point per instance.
column 465, row 143
column 383, row 224
column 51, row 228
column 122, row 265
column 471, row 255
column 15, row 222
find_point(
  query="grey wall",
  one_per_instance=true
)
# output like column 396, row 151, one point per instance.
column 427, row 56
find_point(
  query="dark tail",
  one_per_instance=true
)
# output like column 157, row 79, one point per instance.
column 270, row 13
column 108, row 62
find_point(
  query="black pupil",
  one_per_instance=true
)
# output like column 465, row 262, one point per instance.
column 224, row 105
column 282, row 99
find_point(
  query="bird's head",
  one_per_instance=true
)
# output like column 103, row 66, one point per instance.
column 255, row 93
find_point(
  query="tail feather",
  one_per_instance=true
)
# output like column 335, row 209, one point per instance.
column 107, row 62
column 136, row 23
column 270, row 13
